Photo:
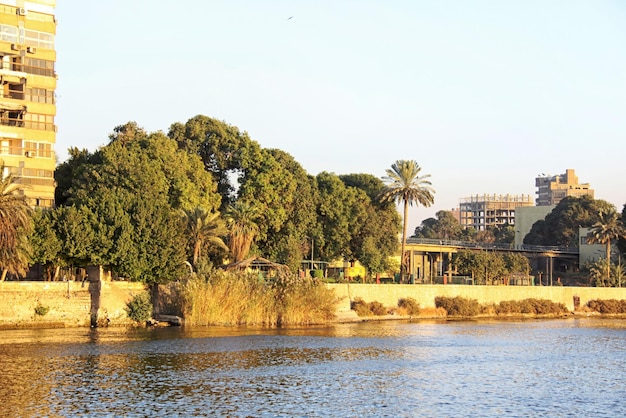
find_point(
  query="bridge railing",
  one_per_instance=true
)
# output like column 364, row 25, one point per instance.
column 492, row 246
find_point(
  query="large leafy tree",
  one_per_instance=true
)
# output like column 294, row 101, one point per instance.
column 15, row 225
column 223, row 149
column 129, row 195
column 339, row 209
column 45, row 243
column 374, row 235
column 269, row 179
column 485, row 266
column 406, row 186
column 561, row 226
column 609, row 227
column 444, row 226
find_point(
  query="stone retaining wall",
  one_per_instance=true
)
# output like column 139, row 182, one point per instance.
column 103, row 302
column 389, row 294
column 69, row 303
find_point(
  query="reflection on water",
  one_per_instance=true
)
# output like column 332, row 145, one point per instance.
column 532, row 368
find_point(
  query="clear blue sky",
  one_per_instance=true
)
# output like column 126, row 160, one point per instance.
column 484, row 95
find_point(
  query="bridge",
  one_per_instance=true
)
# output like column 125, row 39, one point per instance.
column 428, row 258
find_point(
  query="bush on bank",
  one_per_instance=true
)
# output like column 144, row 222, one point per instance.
column 406, row 306
column 608, row 306
column 140, row 307
column 227, row 298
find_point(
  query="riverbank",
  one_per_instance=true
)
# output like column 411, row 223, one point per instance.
column 103, row 303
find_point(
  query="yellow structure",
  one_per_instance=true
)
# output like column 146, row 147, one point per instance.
column 552, row 189
column 27, row 96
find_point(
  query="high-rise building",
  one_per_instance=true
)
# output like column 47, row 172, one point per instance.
column 480, row 212
column 27, row 96
column 552, row 189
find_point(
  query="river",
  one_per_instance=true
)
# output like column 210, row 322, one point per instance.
column 556, row 368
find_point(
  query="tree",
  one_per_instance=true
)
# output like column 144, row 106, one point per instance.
column 45, row 243
column 15, row 224
column 406, row 186
column 243, row 229
column 129, row 195
column 204, row 229
column 503, row 234
column 561, row 226
column 374, row 233
column 606, row 229
column 444, row 226
column 223, row 149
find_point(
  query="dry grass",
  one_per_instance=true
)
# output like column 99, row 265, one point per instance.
column 246, row 299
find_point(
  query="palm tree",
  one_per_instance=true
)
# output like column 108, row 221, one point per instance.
column 405, row 185
column 15, row 222
column 242, row 219
column 204, row 228
column 609, row 227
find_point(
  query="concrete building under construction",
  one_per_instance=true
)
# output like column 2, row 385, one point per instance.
column 482, row 211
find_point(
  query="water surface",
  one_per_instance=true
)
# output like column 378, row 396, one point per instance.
column 570, row 367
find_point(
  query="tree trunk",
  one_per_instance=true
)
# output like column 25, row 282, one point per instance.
column 608, row 261
column 404, row 267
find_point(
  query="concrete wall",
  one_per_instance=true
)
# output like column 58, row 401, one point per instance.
column 70, row 303
column 389, row 294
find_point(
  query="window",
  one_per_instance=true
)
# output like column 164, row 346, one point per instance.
column 39, row 95
column 39, row 121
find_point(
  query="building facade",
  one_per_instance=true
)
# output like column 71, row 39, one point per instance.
column 27, row 96
column 480, row 212
column 552, row 189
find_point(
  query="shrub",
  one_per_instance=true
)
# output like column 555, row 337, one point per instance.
column 410, row 305
column 361, row 308
column 377, row 308
column 530, row 306
column 607, row 306
column 140, row 307
column 41, row 310
column 458, row 306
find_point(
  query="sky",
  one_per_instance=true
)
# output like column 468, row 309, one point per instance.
column 484, row 95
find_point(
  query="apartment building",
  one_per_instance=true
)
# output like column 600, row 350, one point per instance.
column 27, row 96
column 552, row 189
column 482, row 211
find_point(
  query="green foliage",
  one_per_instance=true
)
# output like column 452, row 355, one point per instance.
column 44, row 242
column 317, row 274
column 204, row 230
column 140, row 308
column 123, row 202
column 561, row 225
column 486, row 266
column 405, row 185
column 41, row 310
column 608, row 306
column 410, row 305
column 458, row 306
column 15, row 225
column 444, row 226
column 597, row 273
